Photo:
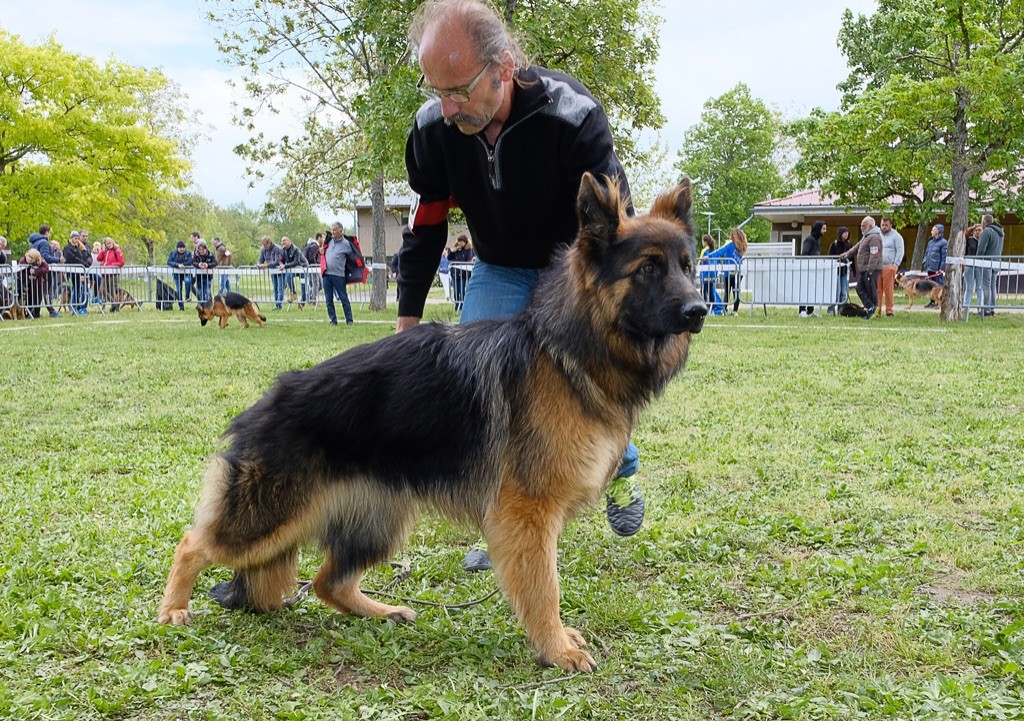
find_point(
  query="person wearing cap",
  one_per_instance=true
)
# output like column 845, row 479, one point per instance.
column 204, row 263
column 935, row 257
column 223, row 257
column 77, row 253
column 181, row 260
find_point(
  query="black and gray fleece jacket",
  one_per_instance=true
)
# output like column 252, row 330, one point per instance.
column 519, row 196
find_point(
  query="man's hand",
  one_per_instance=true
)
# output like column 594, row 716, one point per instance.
column 405, row 322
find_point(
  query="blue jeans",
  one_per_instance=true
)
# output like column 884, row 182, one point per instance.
column 278, row 281
column 334, row 285
column 179, row 281
column 203, row 281
column 842, row 290
column 225, row 283
column 975, row 284
column 495, row 291
column 79, row 292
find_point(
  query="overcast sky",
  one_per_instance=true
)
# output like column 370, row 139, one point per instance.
column 784, row 50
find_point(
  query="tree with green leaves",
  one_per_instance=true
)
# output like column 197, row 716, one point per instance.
column 346, row 63
column 932, row 113
column 83, row 143
column 730, row 155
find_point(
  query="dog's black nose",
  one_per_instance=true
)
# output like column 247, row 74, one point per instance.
column 693, row 313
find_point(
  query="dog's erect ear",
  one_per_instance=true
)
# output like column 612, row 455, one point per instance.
column 599, row 209
column 676, row 205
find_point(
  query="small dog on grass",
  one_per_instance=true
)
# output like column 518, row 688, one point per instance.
column 225, row 305
column 915, row 285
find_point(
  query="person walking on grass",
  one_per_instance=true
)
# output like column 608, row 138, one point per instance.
column 497, row 135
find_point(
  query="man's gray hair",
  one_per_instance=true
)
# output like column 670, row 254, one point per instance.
column 868, row 221
column 337, row 224
column 987, row 219
column 491, row 39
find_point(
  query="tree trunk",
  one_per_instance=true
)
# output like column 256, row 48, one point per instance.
column 953, row 297
column 379, row 291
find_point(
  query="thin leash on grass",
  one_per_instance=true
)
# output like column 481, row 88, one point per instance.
column 404, row 571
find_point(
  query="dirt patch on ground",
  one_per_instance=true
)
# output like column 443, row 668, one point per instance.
column 947, row 588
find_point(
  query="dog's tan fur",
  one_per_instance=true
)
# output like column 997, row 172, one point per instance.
column 914, row 287
column 219, row 309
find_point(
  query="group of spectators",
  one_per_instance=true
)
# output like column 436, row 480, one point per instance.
column 193, row 269
column 38, row 287
column 330, row 251
column 878, row 254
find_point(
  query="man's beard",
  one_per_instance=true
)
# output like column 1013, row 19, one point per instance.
column 462, row 119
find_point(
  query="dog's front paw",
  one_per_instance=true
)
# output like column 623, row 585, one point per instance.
column 175, row 616
column 402, row 614
column 572, row 659
column 575, row 637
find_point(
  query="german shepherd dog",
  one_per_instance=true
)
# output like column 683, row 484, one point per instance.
column 225, row 305
column 915, row 286
column 540, row 406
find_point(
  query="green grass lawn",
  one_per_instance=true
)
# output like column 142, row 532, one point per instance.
column 834, row 530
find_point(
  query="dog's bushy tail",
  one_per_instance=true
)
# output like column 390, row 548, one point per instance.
column 262, row 317
column 261, row 588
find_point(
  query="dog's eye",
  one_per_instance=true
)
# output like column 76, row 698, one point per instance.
column 647, row 268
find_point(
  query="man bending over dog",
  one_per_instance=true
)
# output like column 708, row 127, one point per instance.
column 507, row 142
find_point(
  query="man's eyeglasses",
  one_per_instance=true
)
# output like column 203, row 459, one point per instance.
column 456, row 95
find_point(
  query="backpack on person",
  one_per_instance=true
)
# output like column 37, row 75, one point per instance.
column 355, row 266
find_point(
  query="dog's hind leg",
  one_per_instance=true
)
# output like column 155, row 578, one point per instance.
column 522, row 538
column 240, row 315
column 366, row 537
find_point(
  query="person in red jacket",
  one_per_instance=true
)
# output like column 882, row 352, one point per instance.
column 111, row 257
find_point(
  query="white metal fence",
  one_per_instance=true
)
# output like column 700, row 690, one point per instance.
column 74, row 289
column 757, row 281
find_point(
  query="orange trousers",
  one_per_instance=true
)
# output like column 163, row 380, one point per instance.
column 885, row 287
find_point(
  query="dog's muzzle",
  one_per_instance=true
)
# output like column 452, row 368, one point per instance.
column 692, row 314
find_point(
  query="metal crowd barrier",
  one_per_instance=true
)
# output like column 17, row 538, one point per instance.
column 814, row 280
column 720, row 284
column 985, row 277
column 73, row 289
column 459, row 274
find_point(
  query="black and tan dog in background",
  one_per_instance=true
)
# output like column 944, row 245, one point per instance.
column 919, row 286
column 512, row 425
column 225, row 305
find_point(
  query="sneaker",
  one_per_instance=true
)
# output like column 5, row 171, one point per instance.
column 625, row 506
column 55, row 315
column 931, row 304
column 334, row 322
column 889, row 315
column 476, row 560
column 870, row 313
column 803, row 314
column 812, row 314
